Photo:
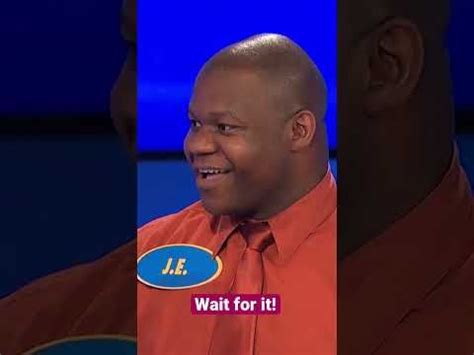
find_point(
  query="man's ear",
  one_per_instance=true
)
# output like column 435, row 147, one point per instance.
column 302, row 130
column 396, row 59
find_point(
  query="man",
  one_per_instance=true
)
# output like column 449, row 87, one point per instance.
column 257, row 146
column 406, row 225
column 88, row 300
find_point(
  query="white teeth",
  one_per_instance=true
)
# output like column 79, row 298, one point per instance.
column 210, row 171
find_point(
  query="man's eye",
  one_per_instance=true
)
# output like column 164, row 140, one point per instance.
column 195, row 124
column 225, row 128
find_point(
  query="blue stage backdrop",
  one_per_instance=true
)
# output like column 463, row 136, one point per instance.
column 59, row 57
column 461, row 52
column 62, row 57
column 172, row 49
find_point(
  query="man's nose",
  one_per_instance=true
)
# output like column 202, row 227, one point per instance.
column 200, row 142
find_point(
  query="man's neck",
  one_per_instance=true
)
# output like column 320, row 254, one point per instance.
column 298, row 186
column 389, row 185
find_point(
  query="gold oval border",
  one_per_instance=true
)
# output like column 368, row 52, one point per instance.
column 78, row 338
column 215, row 276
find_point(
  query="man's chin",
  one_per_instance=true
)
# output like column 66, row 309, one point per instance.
column 225, row 209
column 214, row 208
column 218, row 208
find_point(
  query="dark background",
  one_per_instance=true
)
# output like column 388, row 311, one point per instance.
column 67, row 187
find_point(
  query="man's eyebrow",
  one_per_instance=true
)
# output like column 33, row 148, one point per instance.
column 192, row 115
column 217, row 115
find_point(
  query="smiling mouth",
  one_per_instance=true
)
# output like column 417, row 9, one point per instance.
column 211, row 173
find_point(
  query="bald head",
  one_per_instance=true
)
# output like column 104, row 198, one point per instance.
column 375, row 35
column 431, row 16
column 292, row 78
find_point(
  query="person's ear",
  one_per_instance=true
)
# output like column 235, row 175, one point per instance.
column 395, row 64
column 303, row 127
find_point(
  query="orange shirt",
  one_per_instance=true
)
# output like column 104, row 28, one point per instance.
column 98, row 298
column 300, row 266
column 411, row 290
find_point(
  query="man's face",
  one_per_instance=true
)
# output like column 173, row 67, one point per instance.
column 236, row 143
column 124, row 94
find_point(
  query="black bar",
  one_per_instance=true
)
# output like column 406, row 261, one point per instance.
column 57, row 125
column 179, row 155
column 465, row 121
column 101, row 123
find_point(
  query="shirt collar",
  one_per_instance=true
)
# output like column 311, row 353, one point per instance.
column 385, row 279
column 293, row 225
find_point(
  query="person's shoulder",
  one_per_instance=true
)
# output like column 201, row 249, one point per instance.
column 71, row 277
column 196, row 210
column 161, row 230
column 48, row 308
